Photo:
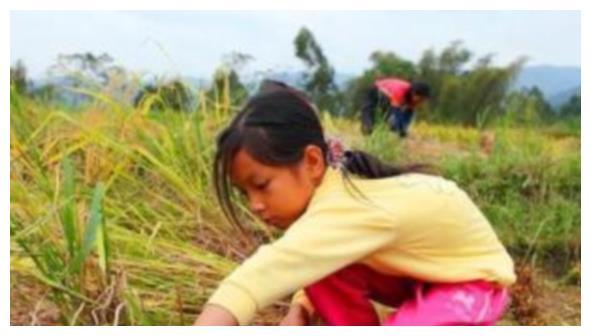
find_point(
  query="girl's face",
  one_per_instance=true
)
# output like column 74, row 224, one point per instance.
column 417, row 100
column 278, row 195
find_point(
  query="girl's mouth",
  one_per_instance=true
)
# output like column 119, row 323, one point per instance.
column 271, row 221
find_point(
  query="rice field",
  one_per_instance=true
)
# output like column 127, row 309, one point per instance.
column 114, row 221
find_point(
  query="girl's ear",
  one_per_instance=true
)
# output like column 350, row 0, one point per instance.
column 314, row 162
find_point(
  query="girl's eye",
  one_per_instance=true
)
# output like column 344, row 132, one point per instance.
column 262, row 186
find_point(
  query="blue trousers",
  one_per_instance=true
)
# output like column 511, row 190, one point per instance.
column 399, row 120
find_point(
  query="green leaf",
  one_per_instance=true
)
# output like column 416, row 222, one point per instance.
column 92, row 227
column 68, row 211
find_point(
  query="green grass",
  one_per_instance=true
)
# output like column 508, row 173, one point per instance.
column 113, row 214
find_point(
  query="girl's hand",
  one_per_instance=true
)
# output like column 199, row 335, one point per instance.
column 215, row 316
column 297, row 316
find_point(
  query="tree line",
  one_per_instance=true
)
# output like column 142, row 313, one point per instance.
column 466, row 89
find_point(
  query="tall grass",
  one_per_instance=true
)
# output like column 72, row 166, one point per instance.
column 113, row 214
column 114, row 207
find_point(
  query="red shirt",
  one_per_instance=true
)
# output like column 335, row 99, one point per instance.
column 393, row 88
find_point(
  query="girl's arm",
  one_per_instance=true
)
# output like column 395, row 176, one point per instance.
column 213, row 315
column 325, row 240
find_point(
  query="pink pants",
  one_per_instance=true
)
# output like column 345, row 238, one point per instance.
column 344, row 298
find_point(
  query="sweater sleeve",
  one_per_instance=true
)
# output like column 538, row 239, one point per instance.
column 322, row 241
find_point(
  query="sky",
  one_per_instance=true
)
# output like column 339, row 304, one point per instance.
column 193, row 42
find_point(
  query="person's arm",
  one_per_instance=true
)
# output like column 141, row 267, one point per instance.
column 297, row 316
column 340, row 232
column 301, row 311
column 213, row 315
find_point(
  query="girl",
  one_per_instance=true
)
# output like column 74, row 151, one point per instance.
column 357, row 231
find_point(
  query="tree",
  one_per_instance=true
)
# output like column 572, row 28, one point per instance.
column 484, row 90
column 91, row 73
column 572, row 108
column 469, row 95
column 319, row 80
column 47, row 92
column 384, row 64
column 443, row 72
column 18, row 77
column 227, row 85
column 173, row 95
column 453, row 59
column 544, row 111
column 528, row 106
column 84, row 69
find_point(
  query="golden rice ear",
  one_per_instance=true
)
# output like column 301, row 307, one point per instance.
column 487, row 142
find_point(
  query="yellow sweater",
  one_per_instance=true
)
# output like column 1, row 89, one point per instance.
column 414, row 225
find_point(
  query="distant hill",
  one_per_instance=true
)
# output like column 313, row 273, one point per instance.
column 553, row 81
column 562, row 97
column 558, row 83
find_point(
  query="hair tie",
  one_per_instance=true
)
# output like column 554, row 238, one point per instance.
column 336, row 153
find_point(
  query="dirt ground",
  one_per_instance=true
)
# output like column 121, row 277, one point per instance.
column 553, row 303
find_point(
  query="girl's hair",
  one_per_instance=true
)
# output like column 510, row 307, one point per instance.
column 274, row 128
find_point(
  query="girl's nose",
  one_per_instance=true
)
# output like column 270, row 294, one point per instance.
column 257, row 206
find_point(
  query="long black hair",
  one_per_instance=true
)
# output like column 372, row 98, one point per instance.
column 274, row 127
